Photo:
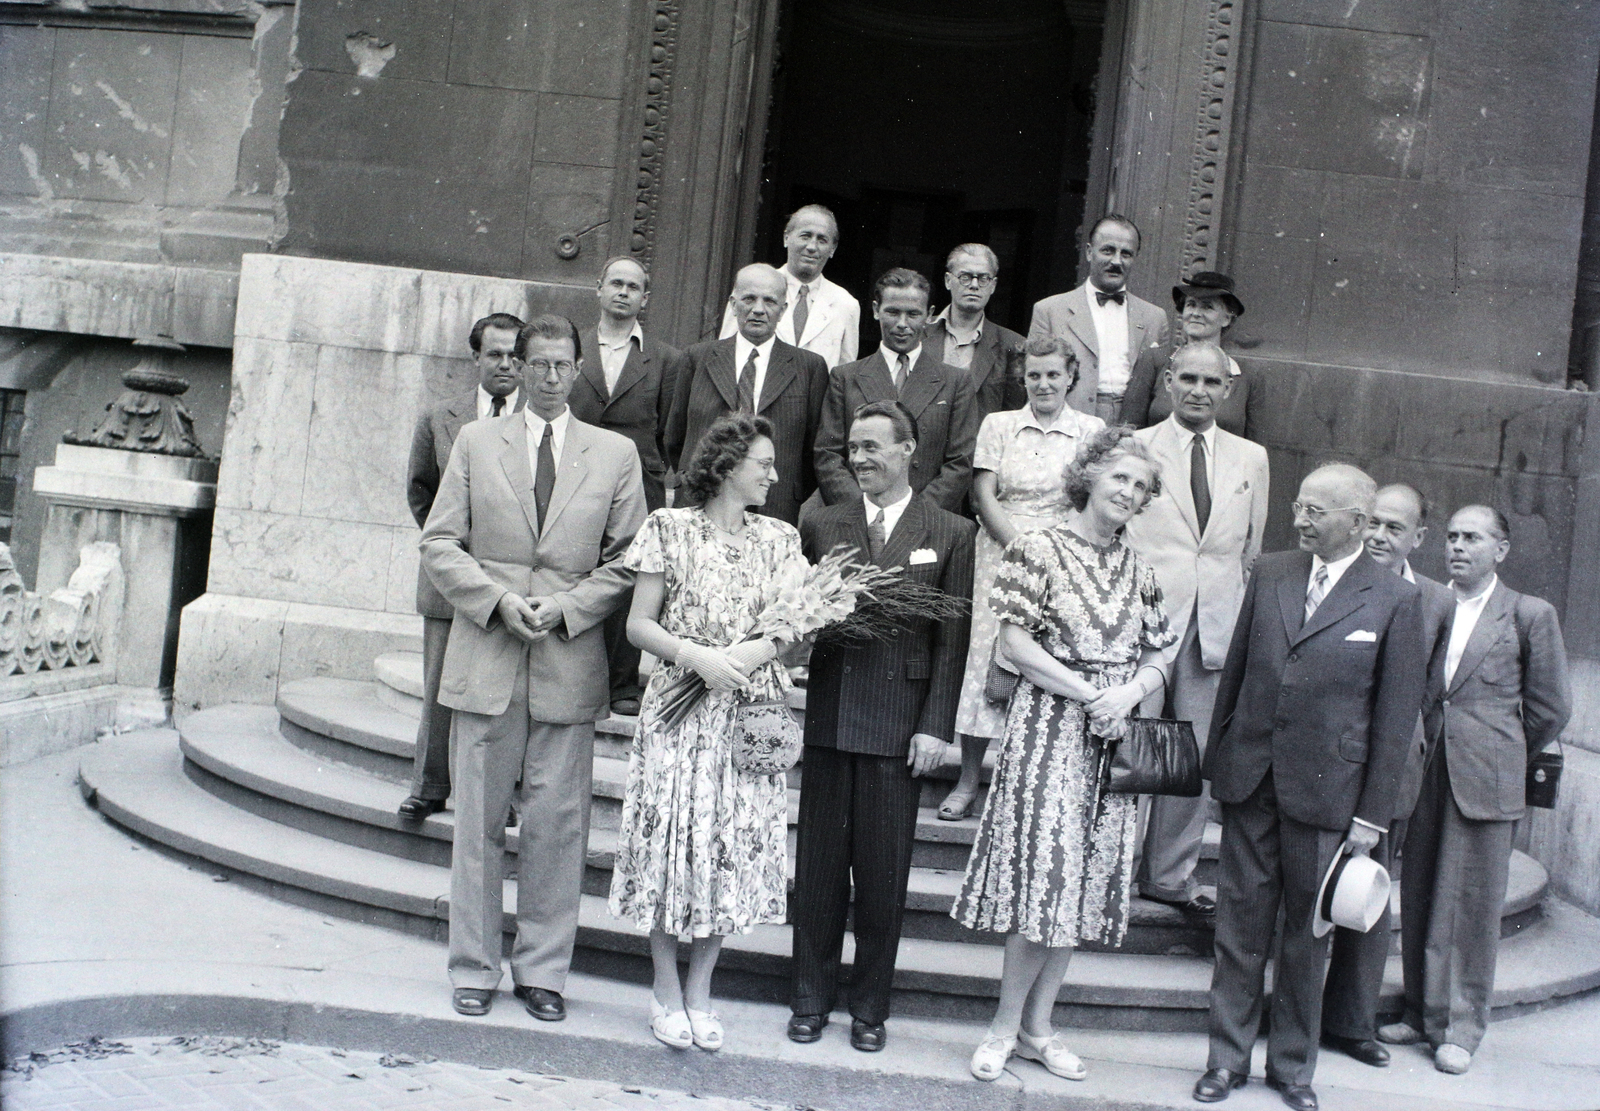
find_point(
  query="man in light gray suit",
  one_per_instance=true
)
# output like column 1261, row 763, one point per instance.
column 1113, row 333
column 1201, row 537
column 526, row 540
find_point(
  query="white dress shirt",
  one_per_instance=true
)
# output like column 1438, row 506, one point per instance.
column 558, row 439
column 891, row 513
column 486, row 402
column 1208, row 440
column 1336, row 571
column 1468, row 611
column 1111, row 335
column 614, row 356
column 741, row 355
column 1407, row 573
column 892, row 358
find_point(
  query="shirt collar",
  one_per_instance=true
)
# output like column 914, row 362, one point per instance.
column 742, row 348
column 891, row 357
column 636, row 334
column 1477, row 599
column 1406, row 573
column 943, row 319
column 795, row 283
column 892, row 510
column 1186, row 437
column 1336, row 569
column 1067, row 421
column 536, row 423
column 486, row 400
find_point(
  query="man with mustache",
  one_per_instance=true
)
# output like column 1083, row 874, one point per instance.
column 822, row 316
column 1113, row 333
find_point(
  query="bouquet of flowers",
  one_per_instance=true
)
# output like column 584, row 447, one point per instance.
column 838, row 598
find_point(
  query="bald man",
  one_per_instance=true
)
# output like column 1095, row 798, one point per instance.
column 1315, row 707
column 753, row 371
column 822, row 317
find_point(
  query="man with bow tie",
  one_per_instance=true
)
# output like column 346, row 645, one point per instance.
column 1113, row 333
column 878, row 716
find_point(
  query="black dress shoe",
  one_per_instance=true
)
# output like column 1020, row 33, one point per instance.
column 414, row 809
column 806, row 1028
column 625, row 707
column 1217, row 1084
column 1365, row 1050
column 1298, row 1096
column 472, row 1001
column 542, row 1004
column 1203, row 905
column 868, row 1037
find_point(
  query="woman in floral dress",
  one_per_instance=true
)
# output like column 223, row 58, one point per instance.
column 1082, row 621
column 701, row 849
column 1019, row 467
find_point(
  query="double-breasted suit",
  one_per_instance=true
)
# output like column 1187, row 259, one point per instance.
column 791, row 398
column 1067, row 315
column 996, row 368
column 1309, row 732
column 526, row 710
column 938, row 395
column 1510, row 696
column 858, row 799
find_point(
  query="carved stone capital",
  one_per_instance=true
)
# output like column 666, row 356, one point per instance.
column 146, row 416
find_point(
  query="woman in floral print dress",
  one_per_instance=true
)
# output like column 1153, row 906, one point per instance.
column 1082, row 621
column 702, row 846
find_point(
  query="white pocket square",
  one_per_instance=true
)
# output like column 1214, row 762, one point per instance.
column 924, row 555
column 1364, row 636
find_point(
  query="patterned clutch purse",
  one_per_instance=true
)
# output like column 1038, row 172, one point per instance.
column 767, row 738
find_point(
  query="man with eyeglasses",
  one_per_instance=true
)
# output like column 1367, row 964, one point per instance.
column 1314, row 713
column 962, row 335
column 822, row 318
column 493, row 341
column 525, row 541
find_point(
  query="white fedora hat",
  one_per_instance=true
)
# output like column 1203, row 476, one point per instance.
column 1353, row 894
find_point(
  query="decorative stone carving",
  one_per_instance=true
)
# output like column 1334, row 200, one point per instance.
column 665, row 17
column 72, row 627
column 1212, row 124
column 146, row 416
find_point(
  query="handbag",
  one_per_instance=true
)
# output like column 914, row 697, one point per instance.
column 767, row 738
column 999, row 684
column 1544, row 777
column 1157, row 756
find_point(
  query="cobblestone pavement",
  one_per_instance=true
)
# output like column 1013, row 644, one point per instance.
column 244, row 1074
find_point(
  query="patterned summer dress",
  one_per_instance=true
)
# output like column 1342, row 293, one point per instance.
column 1030, row 464
column 701, row 849
column 1047, row 863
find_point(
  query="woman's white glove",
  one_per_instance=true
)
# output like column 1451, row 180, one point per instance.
column 712, row 665
column 751, row 654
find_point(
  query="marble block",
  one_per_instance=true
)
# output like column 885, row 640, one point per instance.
column 405, row 560
column 166, row 485
column 269, row 418
column 1566, row 840
column 342, row 304
column 228, row 649
column 362, row 412
column 449, row 304
column 300, row 559
column 342, row 643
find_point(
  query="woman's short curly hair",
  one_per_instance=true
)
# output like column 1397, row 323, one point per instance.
column 1102, row 449
column 722, row 448
column 1043, row 347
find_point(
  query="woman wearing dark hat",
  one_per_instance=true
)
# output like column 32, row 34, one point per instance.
column 1207, row 306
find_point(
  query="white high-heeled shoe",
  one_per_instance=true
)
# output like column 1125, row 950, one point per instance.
column 1053, row 1054
column 706, row 1028
column 989, row 1059
column 670, row 1027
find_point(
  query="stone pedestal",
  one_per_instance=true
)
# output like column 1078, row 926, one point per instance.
column 158, row 510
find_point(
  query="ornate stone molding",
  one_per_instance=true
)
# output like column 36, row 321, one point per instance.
column 1212, row 124
column 72, row 627
column 146, row 416
column 665, row 18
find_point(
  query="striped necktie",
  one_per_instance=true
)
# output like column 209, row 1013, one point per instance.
column 1318, row 591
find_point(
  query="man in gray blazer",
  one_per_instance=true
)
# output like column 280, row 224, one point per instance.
column 526, row 539
column 1502, row 694
column 493, row 341
column 1114, row 334
column 964, row 336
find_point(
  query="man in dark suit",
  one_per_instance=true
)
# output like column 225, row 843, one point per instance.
column 1317, row 701
column 963, row 335
column 1503, row 693
column 1356, row 960
column 493, row 341
column 878, row 715
column 752, row 371
column 627, row 387
column 938, row 396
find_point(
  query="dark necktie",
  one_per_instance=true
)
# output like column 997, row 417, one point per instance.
column 802, row 311
column 1198, row 486
column 1120, row 297
column 902, row 367
column 544, row 480
column 875, row 535
column 497, row 406
column 747, row 384
column 1318, row 591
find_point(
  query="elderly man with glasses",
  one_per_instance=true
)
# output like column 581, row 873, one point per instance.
column 962, row 335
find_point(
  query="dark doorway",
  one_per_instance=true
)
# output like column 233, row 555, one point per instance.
column 928, row 123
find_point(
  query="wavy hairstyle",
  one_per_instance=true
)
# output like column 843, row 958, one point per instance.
column 1043, row 346
column 722, row 448
column 1096, row 457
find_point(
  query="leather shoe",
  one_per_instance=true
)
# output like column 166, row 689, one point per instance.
column 625, row 707
column 1365, row 1050
column 1300, row 1097
column 414, row 809
column 472, row 1001
column 542, row 1004
column 868, row 1037
column 1217, row 1084
column 806, row 1028
column 1203, row 905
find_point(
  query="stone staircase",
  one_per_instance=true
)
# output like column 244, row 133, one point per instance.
column 299, row 799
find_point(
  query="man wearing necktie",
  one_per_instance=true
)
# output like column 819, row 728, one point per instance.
column 755, row 371
column 498, row 390
column 938, row 395
column 1113, row 333
column 526, row 540
column 822, row 318
column 1313, row 717
column 1201, row 536
column 878, row 716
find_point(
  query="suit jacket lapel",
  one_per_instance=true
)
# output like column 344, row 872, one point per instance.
column 1491, row 623
column 514, row 460
column 819, row 312
column 987, row 355
column 876, row 380
column 1136, row 331
column 1343, row 599
column 923, row 382
column 780, row 372
column 724, row 375
column 594, row 371
column 855, row 531
column 633, row 371
column 570, row 471
column 1292, row 598
column 909, row 532
column 1080, row 320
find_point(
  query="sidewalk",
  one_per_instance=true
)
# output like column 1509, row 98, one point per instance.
column 101, row 935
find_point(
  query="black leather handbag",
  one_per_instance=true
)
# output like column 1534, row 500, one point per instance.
column 1157, row 756
column 1544, row 777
